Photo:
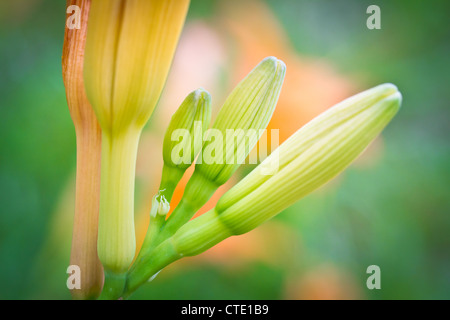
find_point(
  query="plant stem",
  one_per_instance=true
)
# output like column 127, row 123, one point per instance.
column 149, row 265
column 170, row 178
column 197, row 192
column 114, row 286
column 149, row 243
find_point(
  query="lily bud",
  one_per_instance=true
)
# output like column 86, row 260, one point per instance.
column 188, row 124
column 129, row 49
column 88, row 135
column 308, row 159
column 247, row 109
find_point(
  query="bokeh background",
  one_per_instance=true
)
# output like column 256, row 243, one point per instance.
column 390, row 208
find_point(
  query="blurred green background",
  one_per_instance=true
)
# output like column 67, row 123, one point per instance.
column 394, row 213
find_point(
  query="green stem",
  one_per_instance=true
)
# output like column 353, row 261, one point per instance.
column 170, row 178
column 150, row 265
column 149, row 243
column 114, row 286
column 198, row 191
column 193, row 238
column 158, row 231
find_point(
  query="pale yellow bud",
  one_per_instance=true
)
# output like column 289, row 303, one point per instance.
column 309, row 158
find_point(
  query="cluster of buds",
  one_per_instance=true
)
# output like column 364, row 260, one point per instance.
column 312, row 156
column 248, row 108
column 114, row 74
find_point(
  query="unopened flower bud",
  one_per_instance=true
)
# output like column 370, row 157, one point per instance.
column 129, row 50
column 309, row 158
column 248, row 109
column 184, row 138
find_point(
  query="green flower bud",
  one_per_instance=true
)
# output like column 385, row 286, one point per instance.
column 187, row 124
column 308, row 159
column 191, row 119
column 249, row 107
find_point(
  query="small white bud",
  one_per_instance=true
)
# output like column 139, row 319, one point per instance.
column 160, row 205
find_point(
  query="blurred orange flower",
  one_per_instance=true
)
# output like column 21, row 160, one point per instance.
column 325, row 282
